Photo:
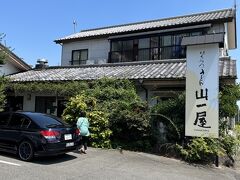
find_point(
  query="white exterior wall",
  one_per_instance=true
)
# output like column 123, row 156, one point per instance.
column 29, row 103
column 216, row 28
column 141, row 93
column 8, row 68
column 97, row 51
column 220, row 28
column 151, row 100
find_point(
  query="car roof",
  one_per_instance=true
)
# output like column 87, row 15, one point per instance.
column 22, row 112
column 27, row 112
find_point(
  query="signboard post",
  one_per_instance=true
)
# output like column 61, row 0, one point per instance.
column 202, row 87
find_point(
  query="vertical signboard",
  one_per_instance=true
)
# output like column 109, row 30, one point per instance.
column 202, row 87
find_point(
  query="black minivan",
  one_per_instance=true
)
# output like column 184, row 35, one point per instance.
column 30, row 134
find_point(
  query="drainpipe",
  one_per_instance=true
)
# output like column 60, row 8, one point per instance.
column 145, row 89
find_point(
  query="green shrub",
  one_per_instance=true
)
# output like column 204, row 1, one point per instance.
column 68, row 89
column 237, row 131
column 100, row 132
column 230, row 144
column 201, row 149
column 2, row 53
column 99, row 121
column 228, row 96
column 128, row 114
column 205, row 149
column 117, row 114
column 77, row 104
column 171, row 113
column 3, row 83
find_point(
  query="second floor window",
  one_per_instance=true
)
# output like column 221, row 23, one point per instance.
column 155, row 47
column 79, row 57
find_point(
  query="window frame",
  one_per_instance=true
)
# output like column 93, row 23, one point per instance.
column 21, row 125
column 177, row 51
column 80, row 61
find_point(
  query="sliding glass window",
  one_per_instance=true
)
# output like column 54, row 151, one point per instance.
column 156, row 47
column 79, row 57
column 143, row 49
column 154, row 51
column 127, row 51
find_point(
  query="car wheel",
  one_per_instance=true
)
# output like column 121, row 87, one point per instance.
column 25, row 151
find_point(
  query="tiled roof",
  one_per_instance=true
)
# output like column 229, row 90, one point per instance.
column 167, row 69
column 200, row 18
column 17, row 61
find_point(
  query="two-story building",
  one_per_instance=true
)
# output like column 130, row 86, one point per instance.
column 150, row 53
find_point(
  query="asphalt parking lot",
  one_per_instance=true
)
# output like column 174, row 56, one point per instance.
column 109, row 164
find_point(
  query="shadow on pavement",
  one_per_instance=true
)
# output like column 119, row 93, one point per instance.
column 45, row 160
column 9, row 155
column 48, row 160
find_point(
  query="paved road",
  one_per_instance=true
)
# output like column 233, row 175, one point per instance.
column 109, row 164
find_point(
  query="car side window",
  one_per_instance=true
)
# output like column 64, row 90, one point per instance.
column 26, row 123
column 4, row 119
column 19, row 121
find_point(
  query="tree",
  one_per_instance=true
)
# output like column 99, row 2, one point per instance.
column 174, row 109
column 116, row 114
column 2, row 79
column 3, row 82
column 229, row 95
column 202, row 149
column 99, row 121
column 2, row 57
column 2, row 53
column 171, row 113
column 128, row 114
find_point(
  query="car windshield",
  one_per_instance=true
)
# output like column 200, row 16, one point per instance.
column 45, row 120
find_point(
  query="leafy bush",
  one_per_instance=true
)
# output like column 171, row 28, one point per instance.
column 128, row 114
column 3, row 82
column 230, row 144
column 201, row 149
column 171, row 113
column 67, row 89
column 76, row 105
column 99, row 121
column 228, row 96
column 237, row 131
column 100, row 132
column 2, row 52
column 205, row 149
column 117, row 114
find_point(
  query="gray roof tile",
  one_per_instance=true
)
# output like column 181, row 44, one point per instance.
column 167, row 69
column 212, row 16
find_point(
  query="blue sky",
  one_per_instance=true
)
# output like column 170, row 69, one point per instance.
column 31, row 26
